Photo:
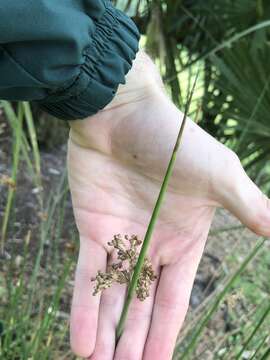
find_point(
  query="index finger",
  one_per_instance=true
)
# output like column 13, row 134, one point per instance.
column 85, row 306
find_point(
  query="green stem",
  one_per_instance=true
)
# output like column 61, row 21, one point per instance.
column 254, row 332
column 266, row 354
column 197, row 332
column 254, row 356
column 17, row 135
column 35, row 148
column 150, row 229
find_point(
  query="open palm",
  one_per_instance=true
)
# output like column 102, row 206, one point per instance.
column 117, row 160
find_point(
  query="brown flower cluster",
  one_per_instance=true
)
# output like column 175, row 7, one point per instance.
column 121, row 272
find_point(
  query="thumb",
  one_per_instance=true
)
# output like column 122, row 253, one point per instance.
column 247, row 202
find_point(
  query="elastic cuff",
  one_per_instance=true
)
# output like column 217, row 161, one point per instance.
column 108, row 59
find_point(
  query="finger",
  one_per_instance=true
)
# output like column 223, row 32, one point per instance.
column 85, row 306
column 132, row 342
column 110, row 308
column 171, row 304
column 111, row 305
column 245, row 200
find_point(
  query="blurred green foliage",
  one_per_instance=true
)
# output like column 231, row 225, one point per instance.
column 231, row 42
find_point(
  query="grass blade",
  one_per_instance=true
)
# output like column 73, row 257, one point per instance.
column 33, row 136
column 257, row 327
column 220, row 297
column 34, row 143
column 259, row 347
column 17, row 135
column 266, row 354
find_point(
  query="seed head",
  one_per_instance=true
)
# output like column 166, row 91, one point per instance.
column 121, row 272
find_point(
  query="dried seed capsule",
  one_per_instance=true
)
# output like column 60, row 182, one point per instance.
column 122, row 271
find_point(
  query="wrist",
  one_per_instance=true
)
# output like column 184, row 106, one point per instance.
column 143, row 82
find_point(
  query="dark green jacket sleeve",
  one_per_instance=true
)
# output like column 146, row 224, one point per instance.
column 69, row 56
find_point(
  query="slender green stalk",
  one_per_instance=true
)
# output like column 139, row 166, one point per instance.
column 49, row 315
column 254, row 356
column 150, row 229
column 32, row 134
column 12, row 119
column 257, row 327
column 196, row 333
column 34, row 143
column 17, row 135
column 225, row 229
column 266, row 354
column 45, row 226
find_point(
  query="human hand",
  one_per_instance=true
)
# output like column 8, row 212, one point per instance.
column 117, row 160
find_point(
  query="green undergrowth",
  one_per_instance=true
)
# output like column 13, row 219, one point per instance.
column 37, row 266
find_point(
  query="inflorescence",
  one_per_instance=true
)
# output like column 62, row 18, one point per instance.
column 121, row 272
